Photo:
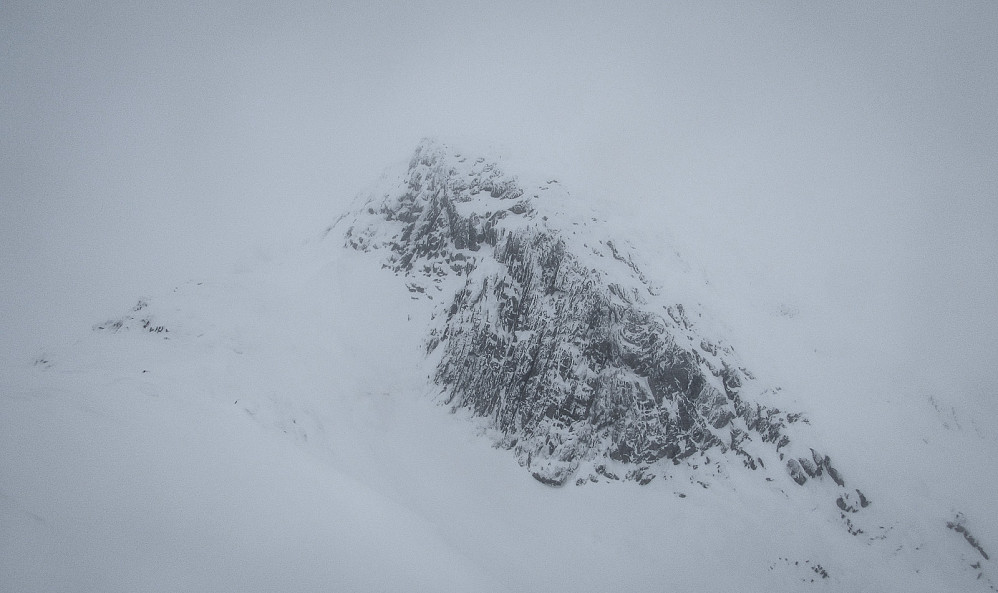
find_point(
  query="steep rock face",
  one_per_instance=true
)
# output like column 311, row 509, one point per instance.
column 554, row 334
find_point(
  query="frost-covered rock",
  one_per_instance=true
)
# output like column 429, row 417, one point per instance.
column 552, row 332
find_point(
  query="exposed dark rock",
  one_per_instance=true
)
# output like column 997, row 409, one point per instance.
column 834, row 473
column 847, row 503
column 601, row 470
column 957, row 525
column 796, row 471
column 130, row 322
column 842, row 504
column 850, row 526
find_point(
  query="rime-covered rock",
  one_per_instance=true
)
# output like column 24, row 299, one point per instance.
column 552, row 332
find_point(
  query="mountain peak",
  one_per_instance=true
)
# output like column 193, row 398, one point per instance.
column 546, row 328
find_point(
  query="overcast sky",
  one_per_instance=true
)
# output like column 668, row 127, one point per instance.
column 830, row 150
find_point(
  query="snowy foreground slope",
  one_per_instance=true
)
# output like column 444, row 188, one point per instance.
column 282, row 427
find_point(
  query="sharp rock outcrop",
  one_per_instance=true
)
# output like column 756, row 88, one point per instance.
column 554, row 334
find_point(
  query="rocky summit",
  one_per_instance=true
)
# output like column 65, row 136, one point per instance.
column 549, row 330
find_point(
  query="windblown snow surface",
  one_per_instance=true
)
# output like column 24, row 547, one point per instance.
column 277, row 429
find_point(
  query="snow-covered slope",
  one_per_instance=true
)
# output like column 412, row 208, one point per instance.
column 280, row 427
